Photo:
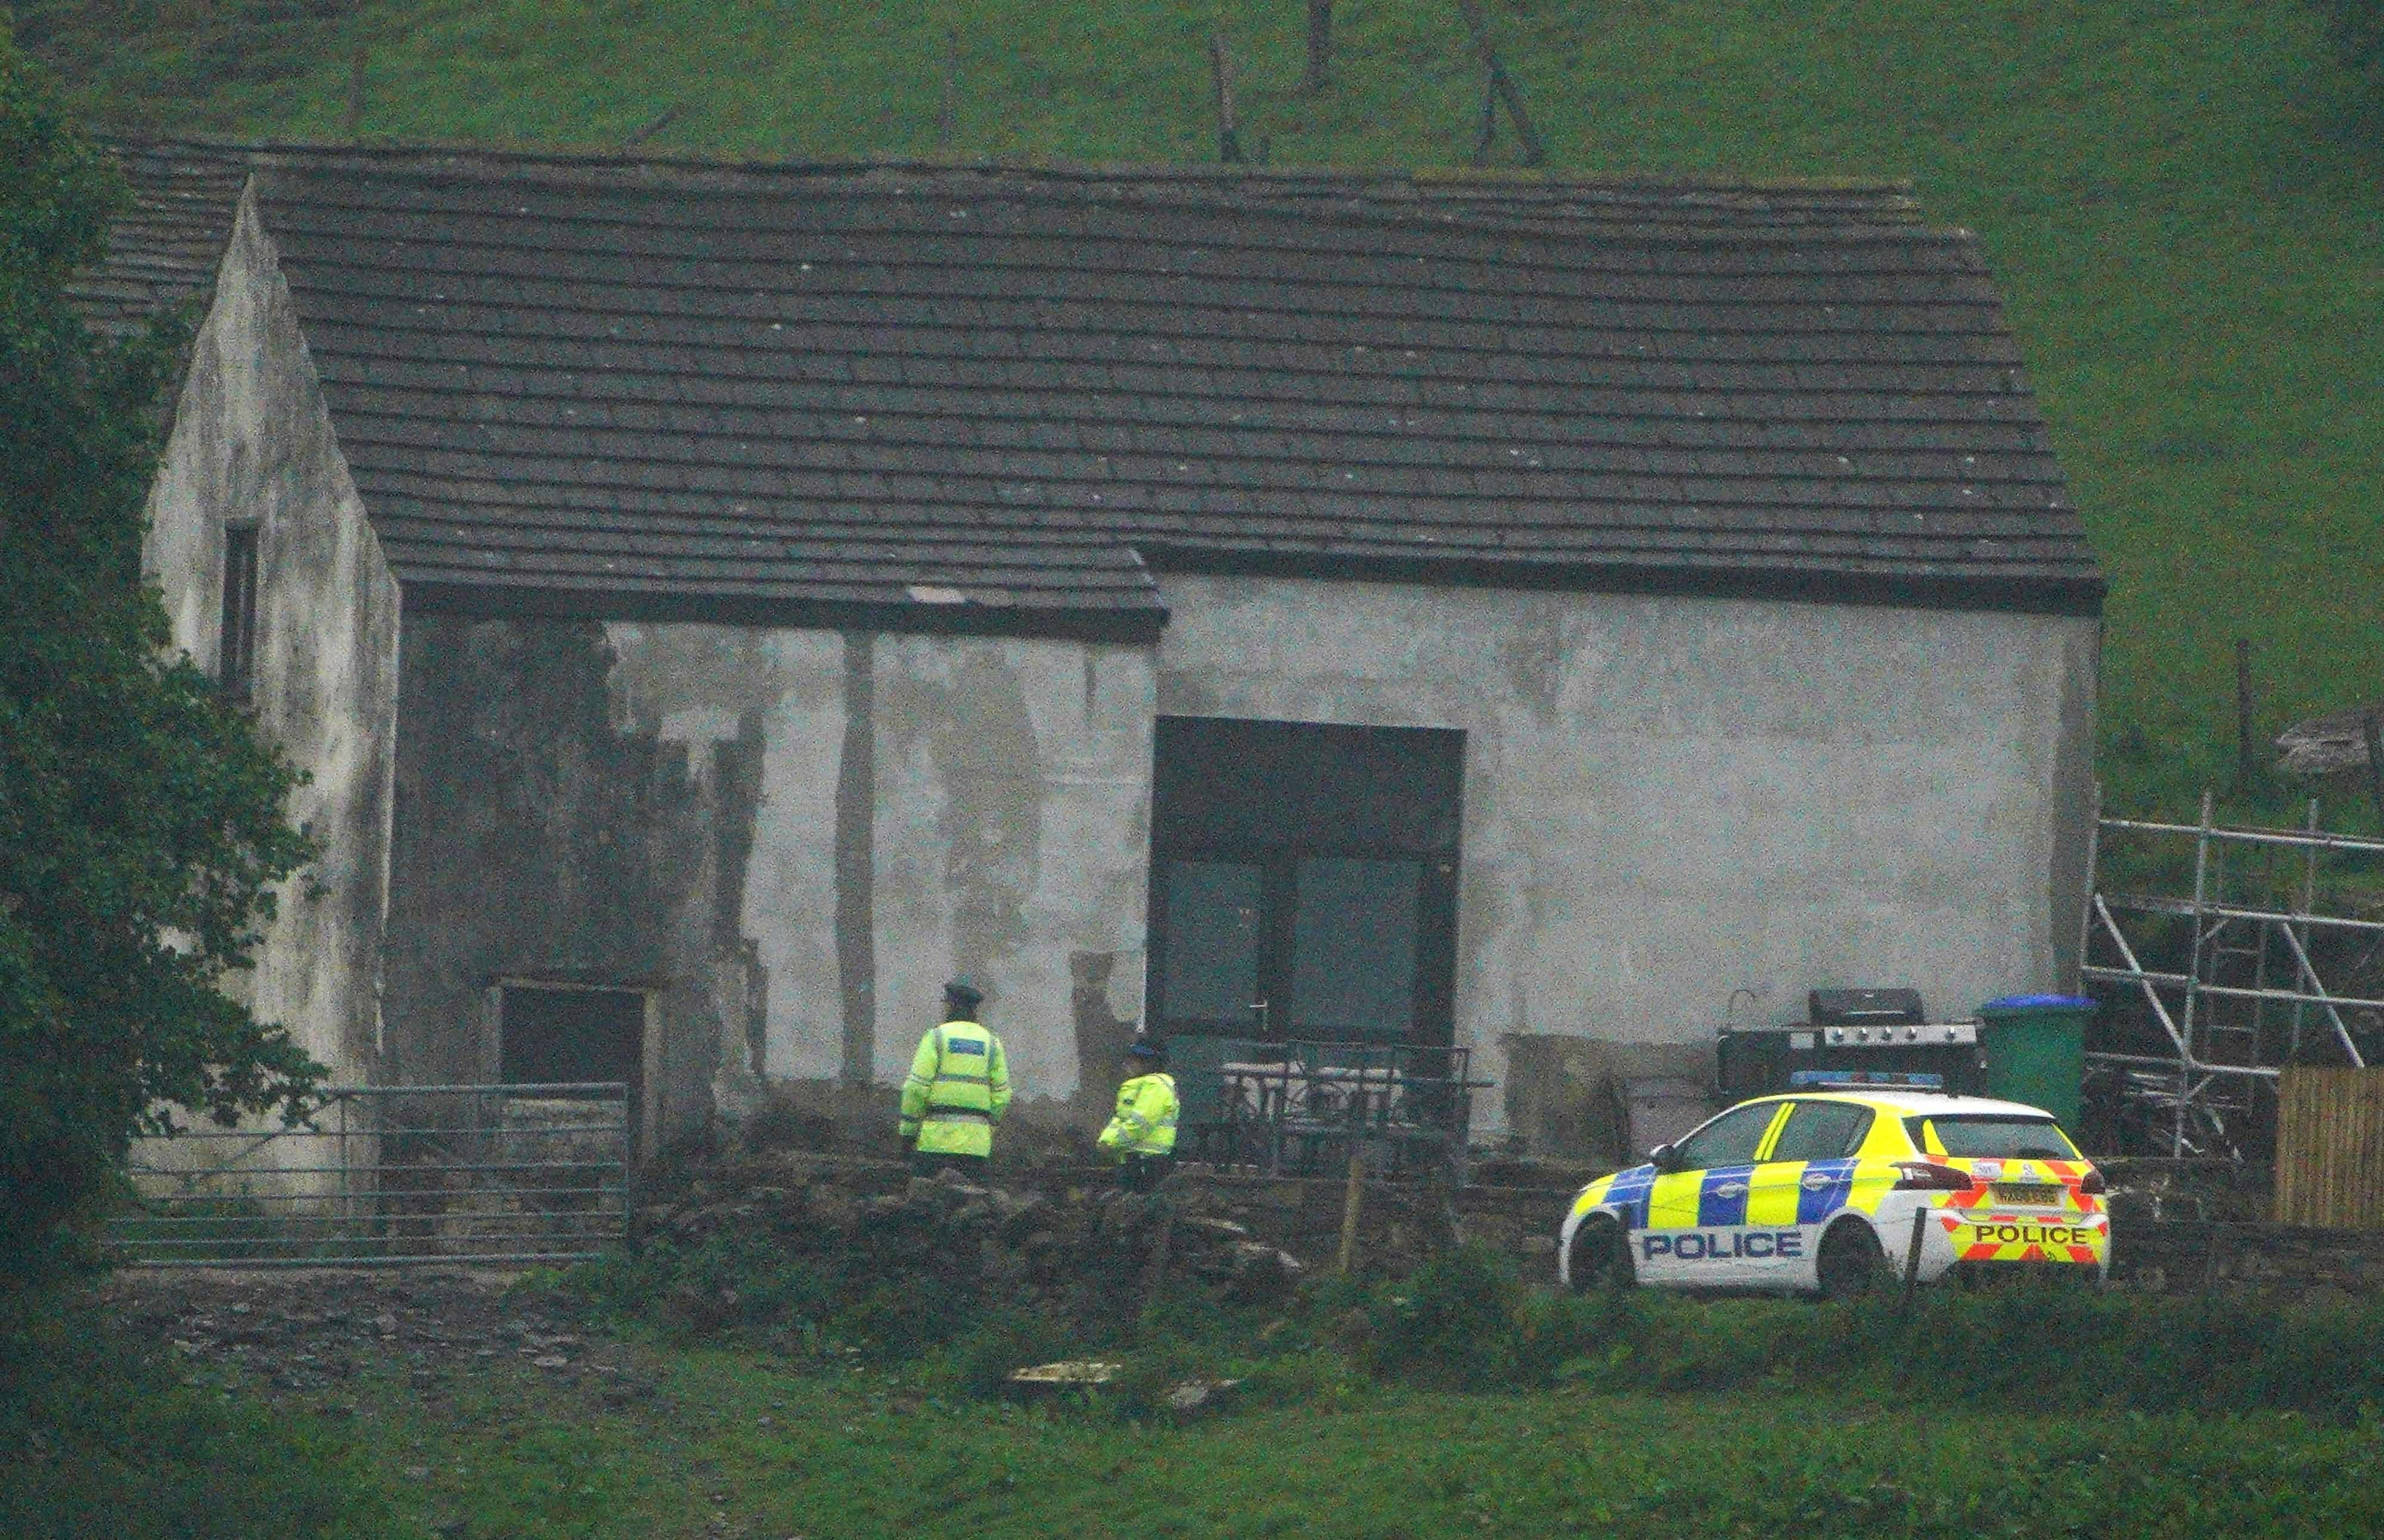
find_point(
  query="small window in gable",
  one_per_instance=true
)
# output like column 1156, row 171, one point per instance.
column 237, row 669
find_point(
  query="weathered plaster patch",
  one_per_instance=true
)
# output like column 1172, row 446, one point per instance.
column 926, row 807
column 700, row 673
column 1102, row 1034
column 543, row 830
column 1013, row 823
column 793, row 889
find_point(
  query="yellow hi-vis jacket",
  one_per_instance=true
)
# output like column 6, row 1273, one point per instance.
column 958, row 1085
column 1145, row 1122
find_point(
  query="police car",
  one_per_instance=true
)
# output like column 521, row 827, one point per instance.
column 1817, row 1191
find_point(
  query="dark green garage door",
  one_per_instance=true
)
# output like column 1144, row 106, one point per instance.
column 1304, row 879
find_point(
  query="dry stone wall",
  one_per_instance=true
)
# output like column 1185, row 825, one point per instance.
column 1066, row 1226
column 1254, row 1235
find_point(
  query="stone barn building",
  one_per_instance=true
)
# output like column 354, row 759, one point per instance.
column 718, row 604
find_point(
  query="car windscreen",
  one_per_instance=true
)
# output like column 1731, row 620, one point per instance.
column 1991, row 1136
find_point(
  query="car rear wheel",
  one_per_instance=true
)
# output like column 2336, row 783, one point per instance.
column 1600, row 1258
column 1851, row 1264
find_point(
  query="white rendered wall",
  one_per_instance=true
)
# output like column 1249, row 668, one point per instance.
column 1668, row 800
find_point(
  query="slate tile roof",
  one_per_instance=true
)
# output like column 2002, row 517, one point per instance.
column 165, row 249
column 1002, row 396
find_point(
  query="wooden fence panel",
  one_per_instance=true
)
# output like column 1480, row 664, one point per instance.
column 2331, row 1148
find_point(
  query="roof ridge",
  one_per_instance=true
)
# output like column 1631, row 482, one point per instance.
column 1626, row 208
column 1625, row 230
column 1055, row 168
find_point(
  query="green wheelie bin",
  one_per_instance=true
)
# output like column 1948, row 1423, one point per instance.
column 2035, row 1049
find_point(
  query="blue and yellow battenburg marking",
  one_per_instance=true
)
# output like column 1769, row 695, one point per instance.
column 1722, row 1196
column 1627, row 1191
column 1776, row 1194
column 1745, row 1212
column 1816, row 1200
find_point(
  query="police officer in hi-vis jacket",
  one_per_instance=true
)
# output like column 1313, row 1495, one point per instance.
column 1141, row 1136
column 957, row 1090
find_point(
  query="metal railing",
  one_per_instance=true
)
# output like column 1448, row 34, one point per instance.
column 389, row 1176
column 2243, row 997
column 1292, row 1106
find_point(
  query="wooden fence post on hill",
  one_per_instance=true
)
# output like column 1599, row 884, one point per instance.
column 355, row 95
column 2245, row 766
column 1229, row 131
column 1497, row 87
column 2331, row 1148
column 651, row 127
column 948, row 110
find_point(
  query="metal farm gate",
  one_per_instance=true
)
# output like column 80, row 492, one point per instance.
column 391, row 1175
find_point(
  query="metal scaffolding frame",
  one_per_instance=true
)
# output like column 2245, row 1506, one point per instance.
column 2249, row 1000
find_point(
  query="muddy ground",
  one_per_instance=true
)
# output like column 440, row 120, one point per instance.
column 317, row 1333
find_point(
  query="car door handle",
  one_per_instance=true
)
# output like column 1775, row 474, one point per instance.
column 1730, row 1189
column 1814, row 1184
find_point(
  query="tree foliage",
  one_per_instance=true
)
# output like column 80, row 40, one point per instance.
column 141, row 817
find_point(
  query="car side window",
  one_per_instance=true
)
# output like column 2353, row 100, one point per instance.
column 1730, row 1141
column 1822, row 1131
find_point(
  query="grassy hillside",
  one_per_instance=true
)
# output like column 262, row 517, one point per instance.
column 2188, row 230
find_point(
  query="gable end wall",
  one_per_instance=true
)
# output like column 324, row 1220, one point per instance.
column 252, row 439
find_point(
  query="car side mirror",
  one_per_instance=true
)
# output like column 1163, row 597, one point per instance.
column 1664, row 1158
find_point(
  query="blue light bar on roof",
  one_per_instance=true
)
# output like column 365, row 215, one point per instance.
column 1914, row 1080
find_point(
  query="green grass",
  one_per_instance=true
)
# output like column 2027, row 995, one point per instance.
column 733, row 1443
column 1466, row 1322
column 2174, row 196
column 2008, row 1414
column 99, row 1435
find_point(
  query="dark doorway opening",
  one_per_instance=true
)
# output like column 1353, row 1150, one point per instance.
column 559, row 1036
column 1304, row 880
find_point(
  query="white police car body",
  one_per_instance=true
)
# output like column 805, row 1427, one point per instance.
column 1820, row 1190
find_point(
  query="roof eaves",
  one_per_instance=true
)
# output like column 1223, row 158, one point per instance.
column 2054, row 593
column 1137, row 625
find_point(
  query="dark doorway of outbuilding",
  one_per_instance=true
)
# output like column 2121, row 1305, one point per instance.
column 572, row 1034
column 1304, row 880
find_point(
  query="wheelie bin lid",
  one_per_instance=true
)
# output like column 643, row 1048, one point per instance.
column 2038, row 1002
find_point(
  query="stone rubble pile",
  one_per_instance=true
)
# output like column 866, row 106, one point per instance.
column 1033, row 1242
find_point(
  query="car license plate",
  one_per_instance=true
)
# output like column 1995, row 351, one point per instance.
column 2038, row 1192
